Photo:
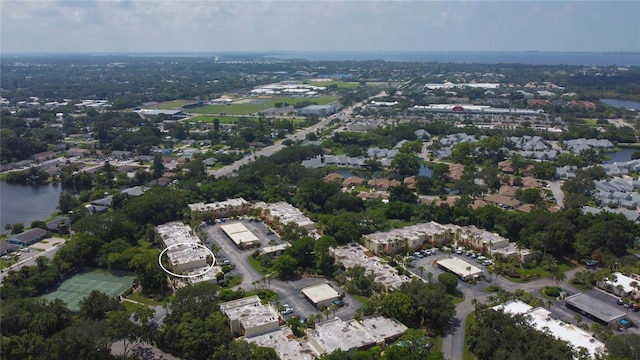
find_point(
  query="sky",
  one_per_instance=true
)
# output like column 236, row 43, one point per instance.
column 143, row 26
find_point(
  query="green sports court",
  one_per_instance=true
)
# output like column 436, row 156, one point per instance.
column 80, row 285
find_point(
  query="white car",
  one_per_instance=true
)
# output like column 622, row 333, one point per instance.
column 487, row 262
column 287, row 310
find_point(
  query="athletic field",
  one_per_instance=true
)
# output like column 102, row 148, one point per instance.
column 79, row 286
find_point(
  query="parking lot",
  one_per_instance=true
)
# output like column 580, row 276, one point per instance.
column 288, row 291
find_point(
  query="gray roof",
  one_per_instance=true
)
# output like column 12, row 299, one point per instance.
column 30, row 235
column 598, row 309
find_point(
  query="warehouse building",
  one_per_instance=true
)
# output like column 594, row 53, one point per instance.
column 321, row 296
column 240, row 235
column 460, row 268
column 320, row 110
column 597, row 310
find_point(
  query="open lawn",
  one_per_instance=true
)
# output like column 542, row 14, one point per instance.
column 257, row 105
column 541, row 272
column 79, row 286
column 232, row 119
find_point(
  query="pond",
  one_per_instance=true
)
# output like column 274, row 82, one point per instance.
column 629, row 105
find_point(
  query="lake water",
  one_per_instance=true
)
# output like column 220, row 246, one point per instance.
column 621, row 155
column 469, row 57
column 629, row 105
column 26, row 203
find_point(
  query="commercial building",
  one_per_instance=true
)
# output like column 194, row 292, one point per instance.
column 356, row 255
column 475, row 109
column 249, row 317
column 460, row 268
column 542, row 320
column 321, row 296
column 596, row 310
column 282, row 213
column 351, row 335
column 240, row 235
column 28, row 237
column 320, row 110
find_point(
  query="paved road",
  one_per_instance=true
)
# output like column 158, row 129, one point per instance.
column 555, row 186
column 454, row 339
column 288, row 291
column 299, row 135
column 29, row 259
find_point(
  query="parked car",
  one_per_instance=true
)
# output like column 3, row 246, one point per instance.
column 417, row 254
column 620, row 301
column 635, row 308
column 287, row 309
column 487, row 262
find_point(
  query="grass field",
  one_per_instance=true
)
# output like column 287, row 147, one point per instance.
column 250, row 108
column 232, row 119
column 79, row 286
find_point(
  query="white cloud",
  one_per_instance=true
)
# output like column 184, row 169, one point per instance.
column 110, row 26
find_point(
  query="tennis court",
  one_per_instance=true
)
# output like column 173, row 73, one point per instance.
column 76, row 288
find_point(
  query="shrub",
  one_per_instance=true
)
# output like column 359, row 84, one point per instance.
column 552, row 291
column 513, row 274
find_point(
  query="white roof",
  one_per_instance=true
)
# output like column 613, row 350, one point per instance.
column 541, row 319
column 286, row 344
column 239, row 233
column 623, row 280
column 459, row 267
column 319, row 293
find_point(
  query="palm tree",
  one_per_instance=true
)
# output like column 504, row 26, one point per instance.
column 559, row 276
column 577, row 318
column 421, row 269
column 326, row 312
column 620, row 289
column 429, row 276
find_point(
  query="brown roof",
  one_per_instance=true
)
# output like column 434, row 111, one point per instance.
column 383, row 184
column 525, row 208
column 529, row 181
column 506, row 166
column 352, row 180
column 373, row 195
column 456, row 171
column 478, row 204
column 507, row 190
column 334, row 176
column 411, row 181
column 502, row 200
